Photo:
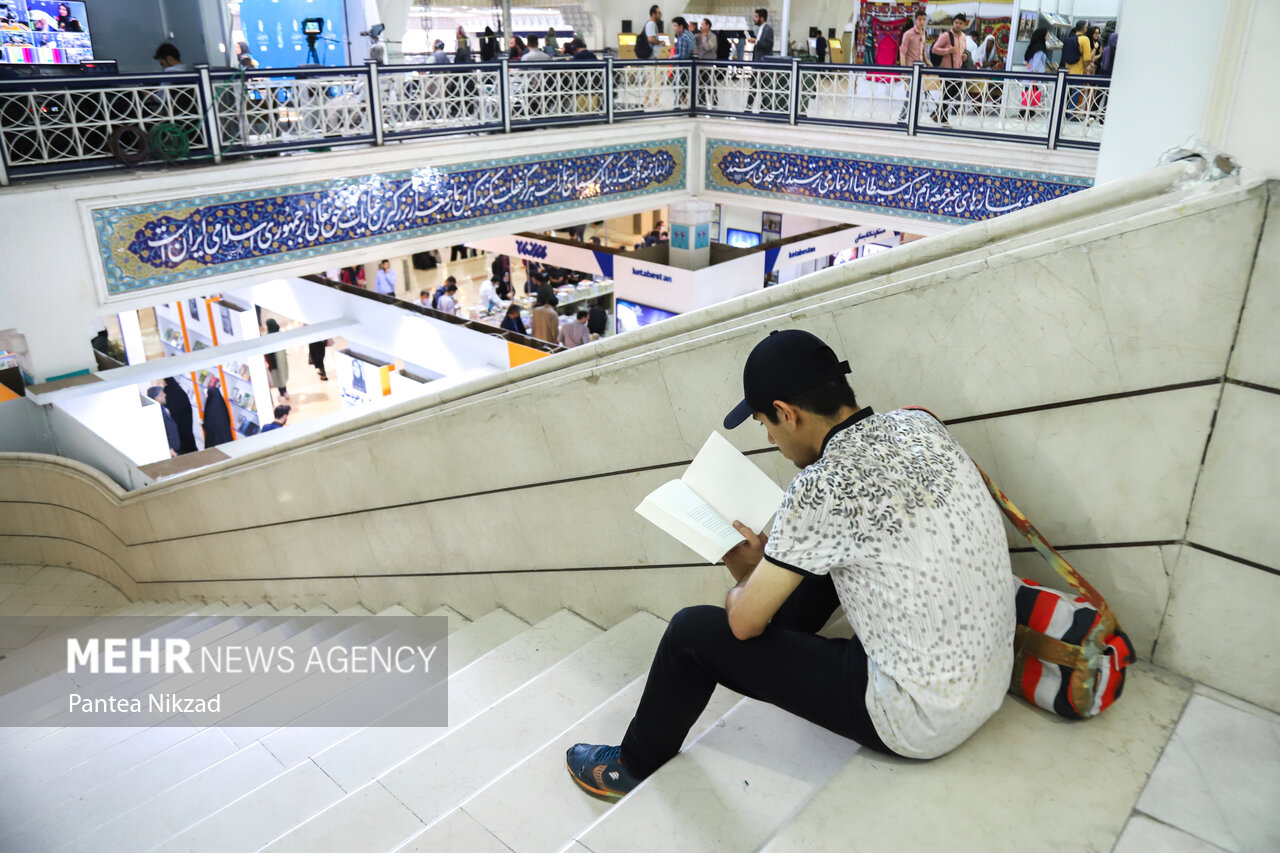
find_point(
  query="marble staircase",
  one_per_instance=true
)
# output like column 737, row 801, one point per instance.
column 749, row 778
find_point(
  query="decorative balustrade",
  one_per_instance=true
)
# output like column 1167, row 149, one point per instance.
column 68, row 124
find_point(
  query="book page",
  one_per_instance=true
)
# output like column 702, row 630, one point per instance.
column 678, row 511
column 732, row 485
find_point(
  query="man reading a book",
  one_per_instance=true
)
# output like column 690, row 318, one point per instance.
column 888, row 519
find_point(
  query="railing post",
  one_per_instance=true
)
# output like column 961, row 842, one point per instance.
column 795, row 89
column 212, row 127
column 506, row 95
column 608, row 88
column 913, row 101
column 4, row 171
column 1056, row 115
column 693, row 87
column 375, row 101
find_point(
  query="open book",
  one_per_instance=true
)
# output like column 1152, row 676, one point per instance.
column 720, row 487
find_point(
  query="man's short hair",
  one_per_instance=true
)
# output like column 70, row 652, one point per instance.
column 513, row 308
column 921, row 14
column 823, row 401
column 763, row 13
column 168, row 49
column 578, row 43
column 679, row 19
column 281, row 411
column 961, row 16
column 583, row 313
column 450, row 287
column 653, row 10
column 154, row 391
column 1080, row 25
column 450, row 280
column 532, row 42
column 383, row 261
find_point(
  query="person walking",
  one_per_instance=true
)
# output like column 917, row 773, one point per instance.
column 278, row 365
column 546, row 320
column 217, row 417
column 575, row 334
column 315, row 356
column 488, row 45
column 597, row 320
column 949, row 51
column 1036, row 57
column 707, row 47
column 384, row 281
column 684, row 46
column 1107, row 63
column 462, row 48
column 888, row 519
column 911, row 51
column 155, row 392
column 179, row 406
column 760, row 53
column 552, row 41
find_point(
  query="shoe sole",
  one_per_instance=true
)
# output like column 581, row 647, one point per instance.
column 598, row 793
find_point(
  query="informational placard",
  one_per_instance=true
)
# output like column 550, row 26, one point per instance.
column 361, row 380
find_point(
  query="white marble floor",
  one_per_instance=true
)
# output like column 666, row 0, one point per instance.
column 1216, row 785
column 36, row 600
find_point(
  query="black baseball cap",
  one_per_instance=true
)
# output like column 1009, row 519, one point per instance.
column 786, row 363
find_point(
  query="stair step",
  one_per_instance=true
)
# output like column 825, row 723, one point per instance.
column 261, row 814
column 372, row 819
column 152, row 821
column 730, row 790
column 437, row 779
column 81, row 810
column 66, row 747
column 455, row 831
column 355, row 762
column 536, row 806
column 95, row 765
column 361, row 757
column 299, row 740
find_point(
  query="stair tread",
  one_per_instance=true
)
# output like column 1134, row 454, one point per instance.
column 455, row 831
column 536, row 807
column 483, row 748
column 152, row 821
column 372, row 819
column 299, row 741
column 263, row 813
column 730, row 790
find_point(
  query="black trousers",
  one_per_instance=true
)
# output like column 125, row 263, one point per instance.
column 789, row 665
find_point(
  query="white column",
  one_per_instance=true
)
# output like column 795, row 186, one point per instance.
column 1221, row 93
column 690, row 246
column 131, row 331
column 785, row 25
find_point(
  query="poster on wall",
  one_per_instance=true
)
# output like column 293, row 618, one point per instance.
column 292, row 33
column 770, row 226
column 361, row 380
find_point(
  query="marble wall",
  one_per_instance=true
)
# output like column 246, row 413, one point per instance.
column 1100, row 367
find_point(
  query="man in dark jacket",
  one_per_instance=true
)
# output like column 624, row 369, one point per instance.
column 763, row 41
column 155, row 392
column 513, row 322
column 597, row 319
column 179, row 406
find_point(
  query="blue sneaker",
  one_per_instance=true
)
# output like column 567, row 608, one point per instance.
column 598, row 770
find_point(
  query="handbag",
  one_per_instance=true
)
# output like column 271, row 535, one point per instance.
column 1031, row 96
column 1069, row 651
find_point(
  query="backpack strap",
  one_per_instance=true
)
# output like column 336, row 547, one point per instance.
column 1043, row 548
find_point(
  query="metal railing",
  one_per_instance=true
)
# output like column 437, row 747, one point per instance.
column 73, row 124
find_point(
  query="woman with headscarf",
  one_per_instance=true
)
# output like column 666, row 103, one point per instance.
column 244, row 58
column 988, row 54
column 278, row 364
column 1037, row 57
column 217, row 417
column 179, row 406
column 488, row 46
column 552, row 44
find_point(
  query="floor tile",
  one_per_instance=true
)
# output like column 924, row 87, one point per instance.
column 1144, row 835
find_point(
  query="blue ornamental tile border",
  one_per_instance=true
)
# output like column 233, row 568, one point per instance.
column 152, row 245
column 917, row 189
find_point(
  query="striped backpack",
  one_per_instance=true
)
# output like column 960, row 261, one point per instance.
column 1069, row 651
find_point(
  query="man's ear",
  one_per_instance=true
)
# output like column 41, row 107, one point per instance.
column 787, row 413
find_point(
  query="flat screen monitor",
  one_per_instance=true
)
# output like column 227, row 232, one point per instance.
column 740, row 239
column 44, row 32
column 633, row 315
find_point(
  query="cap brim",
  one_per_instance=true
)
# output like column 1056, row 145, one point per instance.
column 740, row 413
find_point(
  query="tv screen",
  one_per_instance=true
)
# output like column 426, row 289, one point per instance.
column 633, row 315
column 52, row 32
column 740, row 239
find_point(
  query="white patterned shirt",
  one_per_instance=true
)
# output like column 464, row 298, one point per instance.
column 897, row 513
